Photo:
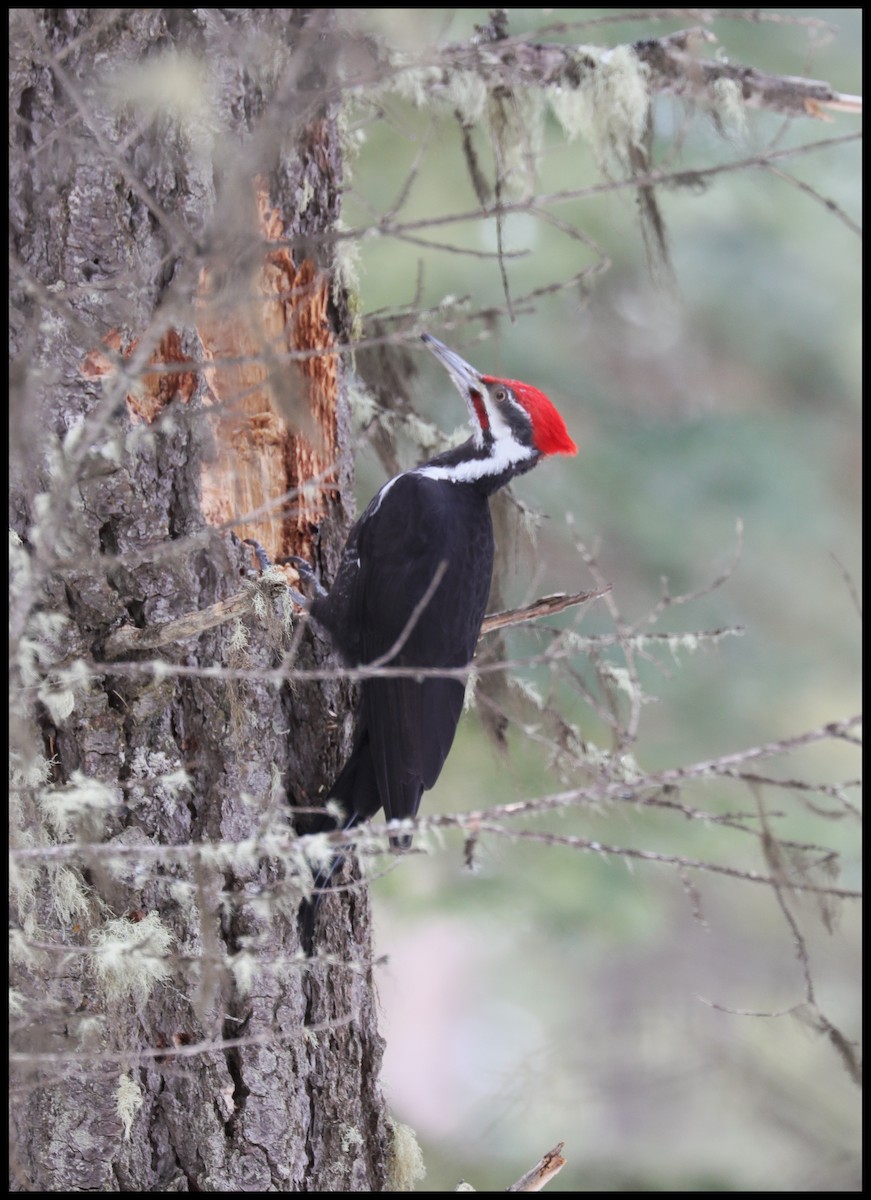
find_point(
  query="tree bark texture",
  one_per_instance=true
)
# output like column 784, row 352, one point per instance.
column 174, row 173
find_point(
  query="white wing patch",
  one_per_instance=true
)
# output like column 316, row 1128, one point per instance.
column 379, row 499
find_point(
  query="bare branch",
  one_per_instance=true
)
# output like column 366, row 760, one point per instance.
column 674, row 69
column 547, row 606
column 546, row 1169
column 129, row 638
column 677, row 71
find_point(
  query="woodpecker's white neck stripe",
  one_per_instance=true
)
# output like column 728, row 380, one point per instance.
column 503, row 455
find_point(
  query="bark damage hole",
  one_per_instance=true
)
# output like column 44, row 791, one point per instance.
column 274, row 421
column 154, row 389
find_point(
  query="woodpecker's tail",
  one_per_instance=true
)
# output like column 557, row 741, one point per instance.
column 356, row 792
column 321, row 884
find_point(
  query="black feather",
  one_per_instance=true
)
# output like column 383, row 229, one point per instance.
column 405, row 727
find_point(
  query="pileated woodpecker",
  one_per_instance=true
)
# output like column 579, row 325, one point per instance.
column 411, row 591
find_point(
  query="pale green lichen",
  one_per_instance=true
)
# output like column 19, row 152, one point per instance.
column 427, row 436
column 459, row 92
column 515, row 120
column 21, row 951
column 89, row 1031
column 129, row 957
column 347, row 260
column 128, row 1101
column 691, row 642
column 609, row 106
column 622, row 767
column 41, row 505
column 351, row 135
column 73, row 436
column 155, row 777
column 350, row 1137
column 64, row 808
column 70, row 899
column 363, row 406
column 179, row 88
column 184, row 894
column 237, row 640
column 242, row 855
column 527, row 690
column 406, row 1165
column 244, row 969
column 466, row 94
column 31, row 774
column 24, row 887
column 418, row 85
column 516, row 124
column 59, row 691
column 728, row 104
column 42, row 645
column 469, row 697
column 319, row 851
column 19, row 561
column 58, row 702
column 623, row 680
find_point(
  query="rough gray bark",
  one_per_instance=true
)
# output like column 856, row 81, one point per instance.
column 118, row 215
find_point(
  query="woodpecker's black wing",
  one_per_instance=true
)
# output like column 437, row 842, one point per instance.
column 405, row 727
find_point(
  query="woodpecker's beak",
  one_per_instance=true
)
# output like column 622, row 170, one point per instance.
column 466, row 379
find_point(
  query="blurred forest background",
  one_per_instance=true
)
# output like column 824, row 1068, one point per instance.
column 556, row 995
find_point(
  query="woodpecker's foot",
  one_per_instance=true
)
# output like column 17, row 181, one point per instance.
column 262, row 557
column 306, row 573
column 266, row 562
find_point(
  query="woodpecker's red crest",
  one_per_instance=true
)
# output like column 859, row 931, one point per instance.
column 548, row 428
column 505, row 412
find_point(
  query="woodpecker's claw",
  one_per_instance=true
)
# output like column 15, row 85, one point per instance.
column 303, row 569
column 306, row 573
column 262, row 557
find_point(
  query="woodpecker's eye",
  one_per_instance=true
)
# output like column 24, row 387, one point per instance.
column 501, row 394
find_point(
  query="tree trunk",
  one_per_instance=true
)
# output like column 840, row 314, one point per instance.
column 174, row 173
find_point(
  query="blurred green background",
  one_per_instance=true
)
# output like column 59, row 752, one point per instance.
column 554, row 995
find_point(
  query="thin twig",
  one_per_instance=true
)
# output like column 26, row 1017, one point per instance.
column 849, row 581
column 191, row 1050
column 825, row 201
column 653, row 178
column 654, row 856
